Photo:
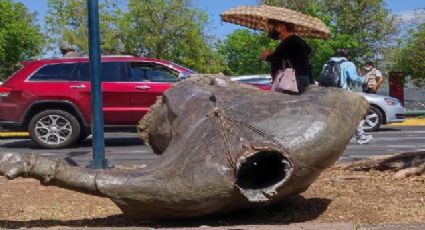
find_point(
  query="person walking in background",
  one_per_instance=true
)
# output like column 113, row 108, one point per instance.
column 347, row 71
column 292, row 49
column 373, row 78
column 348, row 77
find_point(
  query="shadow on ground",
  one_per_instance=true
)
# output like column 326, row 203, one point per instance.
column 387, row 129
column 69, row 156
column 295, row 209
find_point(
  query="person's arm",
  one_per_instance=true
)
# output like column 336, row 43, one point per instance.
column 379, row 80
column 264, row 55
column 354, row 76
column 271, row 57
column 279, row 53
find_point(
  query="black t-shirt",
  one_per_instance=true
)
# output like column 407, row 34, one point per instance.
column 296, row 50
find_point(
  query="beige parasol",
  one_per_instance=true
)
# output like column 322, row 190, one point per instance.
column 256, row 17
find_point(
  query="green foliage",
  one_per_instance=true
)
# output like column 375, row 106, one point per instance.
column 242, row 49
column 407, row 53
column 324, row 50
column 165, row 29
column 66, row 20
column 20, row 38
column 365, row 27
column 368, row 21
column 169, row 29
column 303, row 6
column 411, row 56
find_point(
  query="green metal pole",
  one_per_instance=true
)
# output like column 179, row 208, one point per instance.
column 99, row 161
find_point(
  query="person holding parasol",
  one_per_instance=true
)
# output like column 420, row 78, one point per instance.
column 288, row 26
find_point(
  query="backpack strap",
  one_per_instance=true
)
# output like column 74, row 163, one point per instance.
column 342, row 61
column 337, row 62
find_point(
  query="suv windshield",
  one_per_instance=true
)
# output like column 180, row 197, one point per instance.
column 185, row 68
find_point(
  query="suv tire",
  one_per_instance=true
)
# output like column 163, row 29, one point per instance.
column 54, row 129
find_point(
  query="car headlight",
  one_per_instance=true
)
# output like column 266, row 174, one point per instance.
column 391, row 101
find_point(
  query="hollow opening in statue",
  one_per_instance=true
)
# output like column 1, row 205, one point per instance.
column 262, row 170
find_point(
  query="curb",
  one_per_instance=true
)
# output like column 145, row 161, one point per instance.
column 410, row 122
column 13, row 134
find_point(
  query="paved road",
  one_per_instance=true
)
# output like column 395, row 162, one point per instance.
column 388, row 140
column 120, row 149
column 127, row 149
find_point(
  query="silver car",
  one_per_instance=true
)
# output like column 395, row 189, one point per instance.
column 262, row 79
column 383, row 109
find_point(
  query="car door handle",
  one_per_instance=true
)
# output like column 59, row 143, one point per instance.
column 143, row 87
column 77, row 86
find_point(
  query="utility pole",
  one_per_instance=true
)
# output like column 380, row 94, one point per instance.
column 99, row 161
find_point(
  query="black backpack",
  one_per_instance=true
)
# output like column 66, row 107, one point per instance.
column 331, row 74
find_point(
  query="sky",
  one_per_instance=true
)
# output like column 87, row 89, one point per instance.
column 213, row 8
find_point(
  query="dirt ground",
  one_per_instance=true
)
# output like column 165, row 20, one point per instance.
column 338, row 196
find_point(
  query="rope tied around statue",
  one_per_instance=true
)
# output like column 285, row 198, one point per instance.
column 224, row 122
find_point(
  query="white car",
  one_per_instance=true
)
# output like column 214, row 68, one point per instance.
column 383, row 109
column 263, row 79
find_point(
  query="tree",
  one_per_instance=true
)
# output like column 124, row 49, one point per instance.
column 169, row 29
column 165, row 29
column 242, row 49
column 20, row 38
column 363, row 26
column 412, row 61
column 297, row 5
column 408, row 53
column 66, row 20
column 369, row 21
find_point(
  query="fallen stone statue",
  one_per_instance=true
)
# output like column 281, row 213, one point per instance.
column 223, row 145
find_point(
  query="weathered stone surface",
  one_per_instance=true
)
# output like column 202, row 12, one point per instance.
column 224, row 146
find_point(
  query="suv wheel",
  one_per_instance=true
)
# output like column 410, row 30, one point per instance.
column 373, row 119
column 54, row 129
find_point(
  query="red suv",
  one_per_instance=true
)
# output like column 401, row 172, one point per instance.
column 51, row 98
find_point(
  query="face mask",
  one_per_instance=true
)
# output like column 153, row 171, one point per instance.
column 274, row 35
column 368, row 68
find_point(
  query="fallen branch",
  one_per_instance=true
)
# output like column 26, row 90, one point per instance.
column 404, row 164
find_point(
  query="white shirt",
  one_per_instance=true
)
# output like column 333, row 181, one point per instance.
column 378, row 74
